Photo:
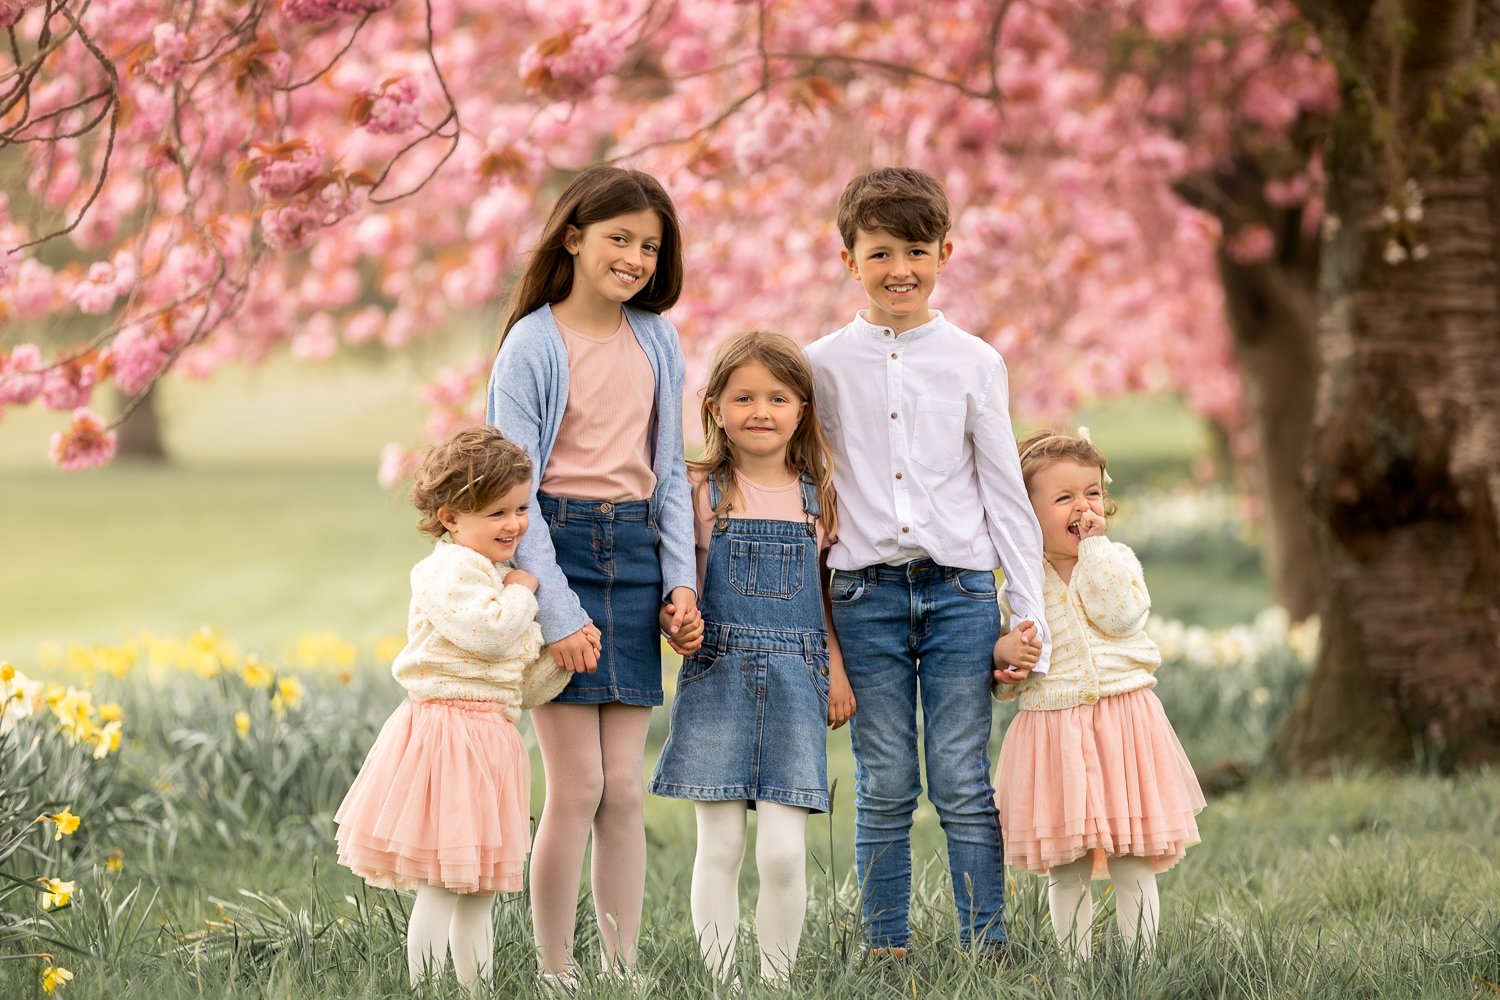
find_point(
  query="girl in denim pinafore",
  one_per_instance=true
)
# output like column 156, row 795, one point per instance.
column 752, row 705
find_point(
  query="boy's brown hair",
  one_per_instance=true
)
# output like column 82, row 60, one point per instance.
column 468, row 472
column 902, row 200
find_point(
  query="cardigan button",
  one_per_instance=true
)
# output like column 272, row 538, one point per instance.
column 1090, row 697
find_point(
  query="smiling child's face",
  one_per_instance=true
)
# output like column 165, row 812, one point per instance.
column 1060, row 493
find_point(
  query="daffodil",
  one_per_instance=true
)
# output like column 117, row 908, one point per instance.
column 242, row 723
column 66, row 824
column 258, row 674
column 106, row 740
column 56, row 893
column 115, row 862
column 290, row 690
column 110, row 712
column 7, row 673
column 54, row 977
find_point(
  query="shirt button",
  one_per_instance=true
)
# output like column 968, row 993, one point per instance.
column 905, row 530
column 898, row 475
column 1090, row 697
column 893, row 416
column 887, row 333
column 893, row 357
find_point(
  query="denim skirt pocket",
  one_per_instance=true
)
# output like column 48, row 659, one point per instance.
column 765, row 569
column 697, row 667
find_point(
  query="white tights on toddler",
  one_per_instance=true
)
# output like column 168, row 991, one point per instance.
column 441, row 919
column 780, row 860
column 1137, row 906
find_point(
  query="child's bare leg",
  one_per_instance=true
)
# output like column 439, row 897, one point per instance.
column 715, row 897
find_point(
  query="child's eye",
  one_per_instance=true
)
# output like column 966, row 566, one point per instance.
column 919, row 253
column 651, row 248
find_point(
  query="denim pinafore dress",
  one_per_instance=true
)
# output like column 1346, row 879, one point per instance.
column 750, row 717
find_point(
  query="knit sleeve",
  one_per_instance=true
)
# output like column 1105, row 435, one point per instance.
column 1111, row 587
column 456, row 592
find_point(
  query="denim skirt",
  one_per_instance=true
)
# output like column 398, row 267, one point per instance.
column 607, row 550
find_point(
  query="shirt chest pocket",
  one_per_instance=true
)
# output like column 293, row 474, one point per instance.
column 937, row 440
column 765, row 569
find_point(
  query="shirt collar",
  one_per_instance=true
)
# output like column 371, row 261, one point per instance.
column 869, row 329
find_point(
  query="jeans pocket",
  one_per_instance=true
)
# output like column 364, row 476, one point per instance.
column 765, row 569
column 847, row 588
column 976, row 583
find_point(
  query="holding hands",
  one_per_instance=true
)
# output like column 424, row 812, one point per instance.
column 840, row 694
column 1018, row 650
column 681, row 623
column 578, row 652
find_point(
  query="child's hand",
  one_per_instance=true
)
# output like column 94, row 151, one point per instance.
column 681, row 623
column 1016, row 652
column 521, row 578
column 1091, row 523
column 578, row 652
column 841, row 703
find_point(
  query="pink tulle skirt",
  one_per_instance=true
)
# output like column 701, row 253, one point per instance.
column 443, row 798
column 1108, row 778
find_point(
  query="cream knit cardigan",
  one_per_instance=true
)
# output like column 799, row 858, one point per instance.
column 468, row 635
column 1099, row 643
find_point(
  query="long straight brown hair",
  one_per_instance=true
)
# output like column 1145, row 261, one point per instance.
column 596, row 195
column 808, row 449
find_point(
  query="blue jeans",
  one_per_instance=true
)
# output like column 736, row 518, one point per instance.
column 928, row 631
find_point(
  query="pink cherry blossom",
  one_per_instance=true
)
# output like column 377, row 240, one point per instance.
column 281, row 170
column 392, row 106
column 135, row 358
column 20, row 376
column 85, row 444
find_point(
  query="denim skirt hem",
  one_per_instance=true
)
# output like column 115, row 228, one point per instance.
column 802, row 798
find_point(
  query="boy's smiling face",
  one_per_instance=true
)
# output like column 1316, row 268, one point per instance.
column 898, row 276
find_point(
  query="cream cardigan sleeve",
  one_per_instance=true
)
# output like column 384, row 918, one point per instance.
column 1111, row 587
column 460, row 593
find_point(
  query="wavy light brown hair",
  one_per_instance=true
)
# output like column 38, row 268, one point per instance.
column 468, row 472
column 1040, row 449
column 597, row 195
column 808, row 449
column 902, row 200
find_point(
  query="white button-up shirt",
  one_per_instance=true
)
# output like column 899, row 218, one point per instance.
column 925, row 461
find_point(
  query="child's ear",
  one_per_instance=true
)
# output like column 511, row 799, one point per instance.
column 446, row 519
column 847, row 257
column 572, row 236
column 944, row 252
column 713, row 411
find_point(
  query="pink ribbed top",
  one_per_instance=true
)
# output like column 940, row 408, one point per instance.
column 603, row 447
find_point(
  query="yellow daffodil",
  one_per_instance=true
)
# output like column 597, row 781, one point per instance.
column 54, row 977
column 258, row 674
column 7, row 673
column 387, row 646
column 106, row 740
column 278, row 705
column 110, row 712
column 290, row 690
column 115, row 863
column 56, row 893
column 324, row 649
column 66, row 824
column 242, row 723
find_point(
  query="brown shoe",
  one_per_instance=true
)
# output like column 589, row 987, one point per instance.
column 883, row 956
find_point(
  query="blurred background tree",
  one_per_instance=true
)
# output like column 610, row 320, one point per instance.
column 1140, row 198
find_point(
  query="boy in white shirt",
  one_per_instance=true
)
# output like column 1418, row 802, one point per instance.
column 931, row 502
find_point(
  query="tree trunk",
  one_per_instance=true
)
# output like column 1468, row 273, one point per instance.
column 139, row 436
column 1404, row 475
column 1272, row 315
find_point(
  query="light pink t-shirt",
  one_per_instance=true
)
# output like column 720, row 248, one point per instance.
column 603, row 446
column 771, row 503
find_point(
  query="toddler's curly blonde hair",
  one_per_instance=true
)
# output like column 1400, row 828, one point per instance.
column 466, row 473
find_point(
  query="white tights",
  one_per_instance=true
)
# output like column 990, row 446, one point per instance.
column 780, row 860
column 1137, row 907
column 441, row 920
column 594, row 758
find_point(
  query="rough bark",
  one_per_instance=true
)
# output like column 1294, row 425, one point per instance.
column 1404, row 474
